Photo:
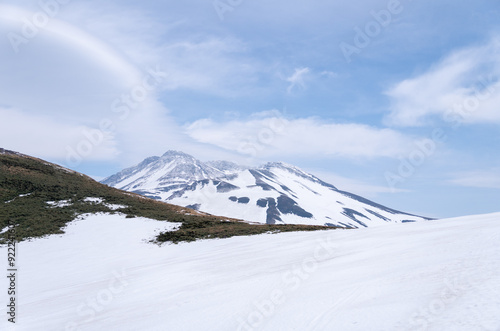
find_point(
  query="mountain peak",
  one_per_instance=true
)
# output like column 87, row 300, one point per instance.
column 173, row 153
column 172, row 169
column 278, row 164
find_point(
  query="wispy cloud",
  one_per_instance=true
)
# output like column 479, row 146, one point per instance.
column 329, row 74
column 213, row 65
column 489, row 178
column 203, row 62
column 19, row 131
column 71, row 36
column 276, row 135
column 100, row 58
column 464, row 86
column 355, row 186
column 297, row 79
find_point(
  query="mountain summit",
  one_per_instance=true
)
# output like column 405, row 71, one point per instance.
column 172, row 170
column 275, row 193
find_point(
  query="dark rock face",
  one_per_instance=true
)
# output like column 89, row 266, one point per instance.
column 289, row 206
column 224, row 187
column 182, row 188
column 351, row 213
column 172, row 188
column 285, row 188
column 273, row 215
column 195, row 185
column 258, row 179
column 262, row 203
column 378, row 215
column 243, row 200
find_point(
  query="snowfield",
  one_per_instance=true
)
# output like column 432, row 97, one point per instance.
column 104, row 275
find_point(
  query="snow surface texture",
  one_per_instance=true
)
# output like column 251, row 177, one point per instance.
column 20, row 196
column 101, row 201
column 59, row 204
column 65, row 203
column 275, row 193
column 102, row 275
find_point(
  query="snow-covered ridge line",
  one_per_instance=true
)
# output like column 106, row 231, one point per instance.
column 273, row 193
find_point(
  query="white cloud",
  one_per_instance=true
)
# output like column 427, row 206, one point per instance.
column 44, row 137
column 202, row 62
column 329, row 74
column 274, row 136
column 297, row 79
column 70, row 35
column 213, row 65
column 480, row 179
column 74, row 73
column 355, row 186
column 464, row 87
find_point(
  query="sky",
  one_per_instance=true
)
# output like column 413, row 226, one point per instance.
column 397, row 101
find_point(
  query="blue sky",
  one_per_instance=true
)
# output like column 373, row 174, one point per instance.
column 398, row 101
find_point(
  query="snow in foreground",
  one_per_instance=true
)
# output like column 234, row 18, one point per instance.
column 103, row 275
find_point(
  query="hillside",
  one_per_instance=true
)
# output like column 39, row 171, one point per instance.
column 40, row 198
column 434, row 276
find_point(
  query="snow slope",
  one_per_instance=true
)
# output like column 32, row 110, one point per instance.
column 274, row 193
column 102, row 275
column 279, row 193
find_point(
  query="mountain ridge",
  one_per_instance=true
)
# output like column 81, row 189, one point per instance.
column 39, row 198
column 273, row 193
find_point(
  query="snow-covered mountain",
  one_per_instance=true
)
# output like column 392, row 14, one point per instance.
column 170, row 170
column 273, row 193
